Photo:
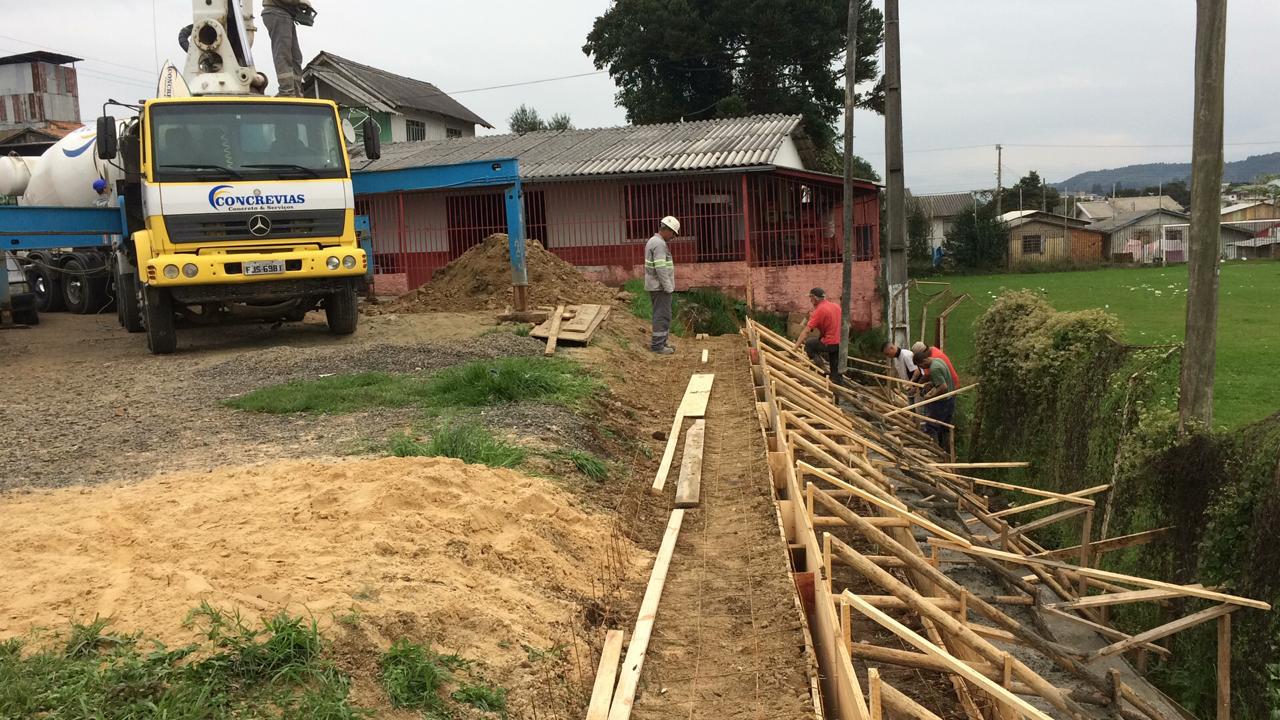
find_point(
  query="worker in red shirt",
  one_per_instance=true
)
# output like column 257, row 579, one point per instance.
column 825, row 318
column 935, row 352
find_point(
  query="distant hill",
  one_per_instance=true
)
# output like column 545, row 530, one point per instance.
column 1141, row 176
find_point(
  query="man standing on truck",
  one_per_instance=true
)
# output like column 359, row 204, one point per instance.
column 660, row 282
column 282, row 18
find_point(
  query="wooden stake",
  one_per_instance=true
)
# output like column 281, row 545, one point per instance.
column 1086, row 556
column 873, row 690
column 931, row 400
column 554, row 334
column 705, row 355
column 625, row 696
column 602, row 692
column 1224, row 667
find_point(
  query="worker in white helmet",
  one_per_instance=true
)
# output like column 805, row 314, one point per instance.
column 282, row 18
column 660, row 282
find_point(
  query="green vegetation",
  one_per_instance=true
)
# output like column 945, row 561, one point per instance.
column 465, row 441
column 336, row 394
column 1085, row 408
column 1151, row 306
column 703, row 310
column 588, row 464
column 275, row 671
column 416, row 677
column 509, row 380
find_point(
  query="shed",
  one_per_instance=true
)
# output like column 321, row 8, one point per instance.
column 1156, row 236
column 757, row 219
column 1036, row 236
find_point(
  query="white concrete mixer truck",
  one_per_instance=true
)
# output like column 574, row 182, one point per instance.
column 220, row 203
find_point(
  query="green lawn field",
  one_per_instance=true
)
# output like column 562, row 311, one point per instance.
column 1151, row 302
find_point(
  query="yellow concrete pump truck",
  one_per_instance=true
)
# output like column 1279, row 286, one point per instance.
column 231, row 204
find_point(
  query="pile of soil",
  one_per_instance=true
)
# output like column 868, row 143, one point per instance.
column 480, row 279
column 472, row 559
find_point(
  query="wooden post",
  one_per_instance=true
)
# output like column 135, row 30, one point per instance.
column 1224, row 667
column 826, row 554
column 1195, row 397
column 873, row 689
column 1086, row 544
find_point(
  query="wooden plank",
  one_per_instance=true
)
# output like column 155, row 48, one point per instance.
column 1100, row 547
column 1185, row 590
column 689, row 486
column 706, row 354
column 1083, row 494
column 697, row 395
column 1048, row 520
column 901, row 706
column 1107, row 632
column 955, row 665
column 1031, row 491
column 806, row 468
column 625, row 696
column 1224, row 668
column 1165, row 630
column 931, row 400
column 553, row 335
column 952, row 465
column 1120, row 598
column 668, row 455
column 606, row 674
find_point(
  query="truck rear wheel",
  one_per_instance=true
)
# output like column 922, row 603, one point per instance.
column 83, row 292
column 341, row 311
column 162, row 338
column 128, row 307
column 46, row 285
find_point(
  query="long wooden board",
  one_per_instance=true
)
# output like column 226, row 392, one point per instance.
column 606, row 674
column 689, row 486
column 553, row 335
column 692, row 405
column 579, row 328
column 625, row 695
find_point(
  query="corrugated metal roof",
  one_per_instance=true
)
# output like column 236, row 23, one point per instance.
column 1243, row 206
column 1103, row 209
column 381, row 89
column 946, row 204
column 702, row 145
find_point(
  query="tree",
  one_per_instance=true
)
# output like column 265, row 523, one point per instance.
column 525, row 119
column 1096, row 189
column 978, row 240
column 679, row 60
column 1035, row 194
column 918, row 250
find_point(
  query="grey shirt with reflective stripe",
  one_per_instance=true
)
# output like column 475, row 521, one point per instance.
column 659, row 268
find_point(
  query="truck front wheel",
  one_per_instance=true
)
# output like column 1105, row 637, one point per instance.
column 162, row 338
column 341, row 311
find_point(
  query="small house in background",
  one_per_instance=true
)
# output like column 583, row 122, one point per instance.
column 405, row 109
column 1097, row 210
column 1157, row 236
column 1251, row 210
column 1036, row 236
column 757, row 219
column 39, row 101
column 942, row 210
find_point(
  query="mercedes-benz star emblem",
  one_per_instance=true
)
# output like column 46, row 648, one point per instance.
column 260, row 225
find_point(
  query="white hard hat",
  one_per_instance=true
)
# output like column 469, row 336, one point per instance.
column 671, row 224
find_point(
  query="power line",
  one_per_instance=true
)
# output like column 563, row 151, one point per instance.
column 107, row 62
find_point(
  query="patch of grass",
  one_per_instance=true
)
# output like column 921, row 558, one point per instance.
column 523, row 330
column 413, row 677
column 336, row 394
column 513, row 379
column 588, row 464
column 484, row 698
column 1151, row 304
column 468, row 442
column 275, row 670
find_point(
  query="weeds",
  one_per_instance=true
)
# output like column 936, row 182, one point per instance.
column 589, row 465
column 484, row 698
column 513, row 379
column 468, row 442
column 523, row 330
column 413, row 676
column 337, row 394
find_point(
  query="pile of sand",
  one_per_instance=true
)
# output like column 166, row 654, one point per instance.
column 480, row 560
column 480, row 279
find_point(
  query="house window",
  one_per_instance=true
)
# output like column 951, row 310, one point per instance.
column 1032, row 245
column 415, row 130
column 1174, row 236
column 535, row 216
column 648, row 203
column 452, row 133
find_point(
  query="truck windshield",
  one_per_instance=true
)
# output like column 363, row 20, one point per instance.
column 251, row 141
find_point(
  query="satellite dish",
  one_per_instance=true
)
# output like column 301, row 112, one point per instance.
column 348, row 131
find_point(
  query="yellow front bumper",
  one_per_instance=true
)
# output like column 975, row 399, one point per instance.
column 224, row 268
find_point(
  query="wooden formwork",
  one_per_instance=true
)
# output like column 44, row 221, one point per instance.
column 855, row 460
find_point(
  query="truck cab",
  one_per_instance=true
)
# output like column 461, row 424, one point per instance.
column 234, row 206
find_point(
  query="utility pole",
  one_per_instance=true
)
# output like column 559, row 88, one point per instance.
column 999, row 180
column 846, row 276
column 899, row 313
column 1199, row 352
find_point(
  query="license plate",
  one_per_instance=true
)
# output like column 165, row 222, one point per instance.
column 264, row 267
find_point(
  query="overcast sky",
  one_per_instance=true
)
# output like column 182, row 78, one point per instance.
column 975, row 73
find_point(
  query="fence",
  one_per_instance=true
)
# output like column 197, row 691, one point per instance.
column 1168, row 243
column 732, row 224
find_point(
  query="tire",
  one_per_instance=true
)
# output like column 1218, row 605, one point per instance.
column 82, row 294
column 162, row 338
column 341, row 311
column 128, row 307
column 46, row 285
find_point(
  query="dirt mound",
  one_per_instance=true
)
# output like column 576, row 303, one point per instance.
column 482, row 561
column 480, row 279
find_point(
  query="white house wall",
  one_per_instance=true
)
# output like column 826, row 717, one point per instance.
column 789, row 155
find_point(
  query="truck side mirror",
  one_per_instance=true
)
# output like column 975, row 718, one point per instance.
column 108, row 142
column 372, row 140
